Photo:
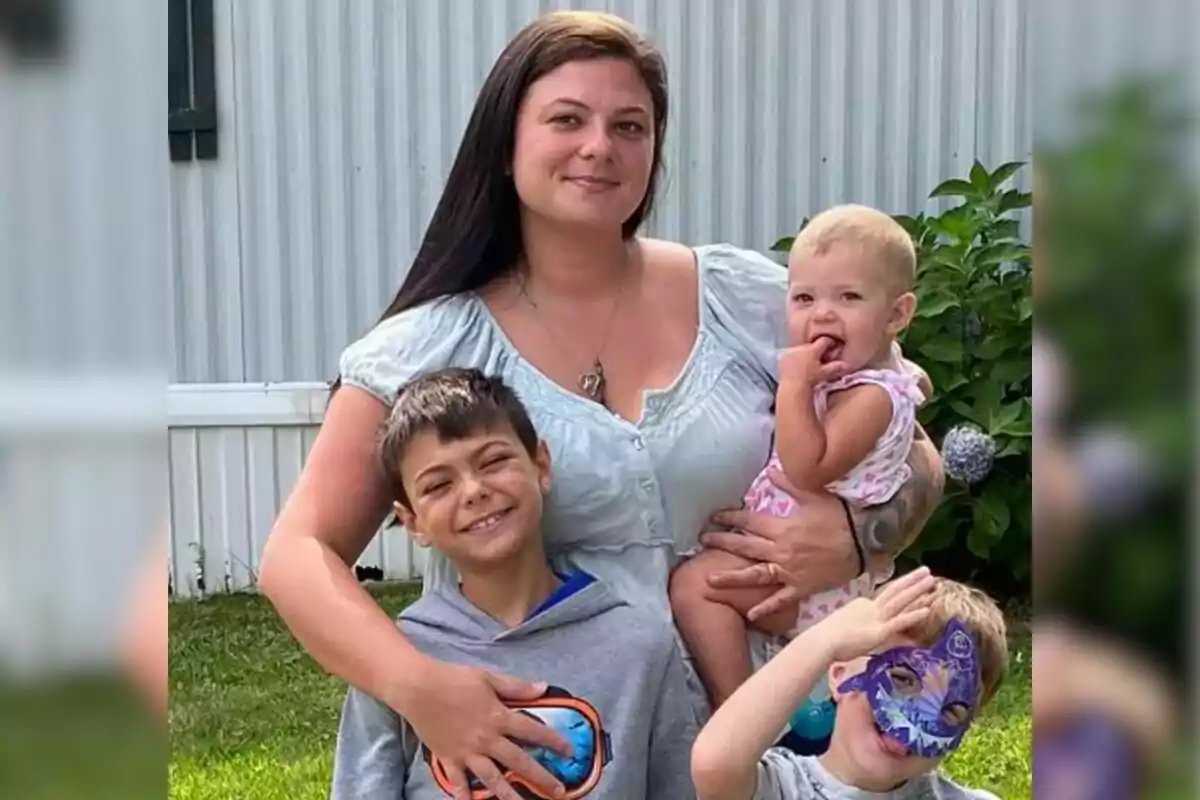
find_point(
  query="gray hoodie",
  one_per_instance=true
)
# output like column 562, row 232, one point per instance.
column 622, row 660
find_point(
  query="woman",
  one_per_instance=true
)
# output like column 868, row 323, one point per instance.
column 648, row 367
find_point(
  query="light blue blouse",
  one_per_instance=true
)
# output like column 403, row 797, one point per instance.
column 626, row 498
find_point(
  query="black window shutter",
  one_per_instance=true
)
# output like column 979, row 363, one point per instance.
column 191, row 81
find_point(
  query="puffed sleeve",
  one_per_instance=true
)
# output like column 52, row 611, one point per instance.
column 445, row 332
column 746, row 295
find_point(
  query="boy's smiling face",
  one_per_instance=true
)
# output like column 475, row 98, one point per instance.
column 477, row 499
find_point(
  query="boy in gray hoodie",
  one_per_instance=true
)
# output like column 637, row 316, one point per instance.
column 470, row 475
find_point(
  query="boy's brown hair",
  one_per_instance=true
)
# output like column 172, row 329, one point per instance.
column 981, row 616
column 454, row 403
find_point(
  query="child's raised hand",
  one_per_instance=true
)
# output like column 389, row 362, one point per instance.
column 866, row 623
column 805, row 364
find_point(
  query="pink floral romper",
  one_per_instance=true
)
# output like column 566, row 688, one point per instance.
column 873, row 481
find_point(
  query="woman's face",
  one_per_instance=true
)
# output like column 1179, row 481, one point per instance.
column 584, row 144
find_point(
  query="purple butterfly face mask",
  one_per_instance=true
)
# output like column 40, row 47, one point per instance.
column 924, row 698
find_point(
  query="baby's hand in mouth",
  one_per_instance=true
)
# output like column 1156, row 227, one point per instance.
column 811, row 363
column 830, row 347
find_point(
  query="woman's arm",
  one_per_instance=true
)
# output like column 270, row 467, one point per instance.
column 331, row 515
column 334, row 510
column 886, row 530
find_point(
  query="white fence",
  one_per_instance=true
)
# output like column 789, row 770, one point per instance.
column 235, row 451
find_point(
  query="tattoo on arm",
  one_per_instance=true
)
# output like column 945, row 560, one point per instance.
column 884, row 531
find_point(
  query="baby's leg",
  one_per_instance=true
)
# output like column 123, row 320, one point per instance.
column 713, row 621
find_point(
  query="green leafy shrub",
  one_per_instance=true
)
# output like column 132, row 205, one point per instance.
column 1117, row 248
column 972, row 333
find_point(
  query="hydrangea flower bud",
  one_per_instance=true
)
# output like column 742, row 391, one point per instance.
column 968, row 453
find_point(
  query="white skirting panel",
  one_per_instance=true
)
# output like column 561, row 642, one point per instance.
column 235, row 452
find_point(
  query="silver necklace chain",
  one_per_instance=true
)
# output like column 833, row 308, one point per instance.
column 592, row 382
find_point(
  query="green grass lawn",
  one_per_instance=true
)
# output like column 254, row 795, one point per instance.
column 253, row 717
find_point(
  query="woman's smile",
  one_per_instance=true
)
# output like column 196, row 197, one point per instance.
column 593, row 183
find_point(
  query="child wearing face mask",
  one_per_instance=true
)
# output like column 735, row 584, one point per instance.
column 910, row 671
column 845, row 418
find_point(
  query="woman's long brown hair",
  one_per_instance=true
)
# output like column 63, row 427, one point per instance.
column 474, row 235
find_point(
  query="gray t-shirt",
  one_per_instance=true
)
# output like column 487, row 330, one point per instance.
column 782, row 775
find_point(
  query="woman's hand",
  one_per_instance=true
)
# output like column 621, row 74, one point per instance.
column 814, row 551
column 458, row 713
column 802, row 555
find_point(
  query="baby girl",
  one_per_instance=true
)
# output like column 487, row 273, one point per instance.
column 845, row 414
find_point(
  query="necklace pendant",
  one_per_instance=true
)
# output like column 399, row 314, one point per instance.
column 592, row 382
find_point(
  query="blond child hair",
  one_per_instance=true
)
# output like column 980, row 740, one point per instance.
column 981, row 616
column 871, row 229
